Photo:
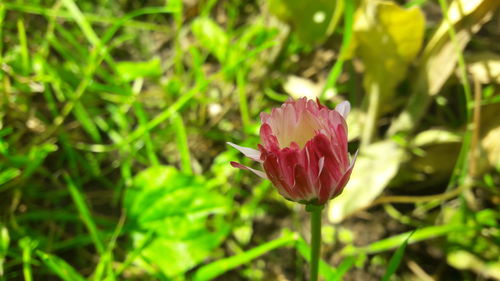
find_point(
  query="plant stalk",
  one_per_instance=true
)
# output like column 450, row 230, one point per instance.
column 315, row 211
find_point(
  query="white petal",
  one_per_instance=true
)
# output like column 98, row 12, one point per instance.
column 343, row 108
column 353, row 160
column 243, row 167
column 248, row 152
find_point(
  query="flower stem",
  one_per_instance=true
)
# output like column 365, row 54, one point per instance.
column 315, row 211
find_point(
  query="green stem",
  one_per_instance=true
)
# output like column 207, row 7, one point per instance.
column 315, row 211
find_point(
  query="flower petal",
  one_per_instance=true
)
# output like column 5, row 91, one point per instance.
column 321, row 164
column 353, row 159
column 248, row 152
column 343, row 108
column 345, row 178
column 243, row 167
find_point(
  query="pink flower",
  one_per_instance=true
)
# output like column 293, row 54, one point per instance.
column 303, row 151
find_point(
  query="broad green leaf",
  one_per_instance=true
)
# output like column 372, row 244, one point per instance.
column 130, row 70
column 210, row 271
column 368, row 179
column 175, row 207
column 313, row 21
column 387, row 38
column 62, row 269
column 211, row 36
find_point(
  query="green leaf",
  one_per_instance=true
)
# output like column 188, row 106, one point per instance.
column 313, row 21
column 175, row 208
column 210, row 271
column 130, row 70
column 396, row 259
column 62, row 269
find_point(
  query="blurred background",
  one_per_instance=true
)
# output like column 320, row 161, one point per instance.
column 114, row 117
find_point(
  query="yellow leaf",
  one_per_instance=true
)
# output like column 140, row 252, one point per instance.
column 388, row 38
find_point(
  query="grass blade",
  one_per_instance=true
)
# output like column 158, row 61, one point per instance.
column 82, row 22
column 62, row 269
column 4, row 247
column 397, row 240
column 27, row 245
column 346, row 42
column 24, row 46
column 8, row 175
column 343, row 267
column 396, row 259
column 182, row 143
column 210, row 271
column 85, row 214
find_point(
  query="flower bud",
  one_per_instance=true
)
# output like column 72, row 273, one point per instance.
column 303, row 150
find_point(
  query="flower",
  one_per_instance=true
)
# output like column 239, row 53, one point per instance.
column 303, row 150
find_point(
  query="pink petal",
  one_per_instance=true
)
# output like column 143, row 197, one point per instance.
column 302, row 186
column 326, row 184
column 274, row 174
column 248, row 152
column 267, row 138
column 243, row 167
column 345, row 178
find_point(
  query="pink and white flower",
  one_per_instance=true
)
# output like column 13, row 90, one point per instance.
column 303, row 150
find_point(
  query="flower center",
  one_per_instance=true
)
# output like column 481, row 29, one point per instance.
column 299, row 131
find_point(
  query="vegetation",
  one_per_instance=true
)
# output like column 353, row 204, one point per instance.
column 115, row 115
